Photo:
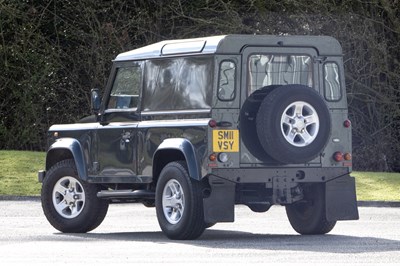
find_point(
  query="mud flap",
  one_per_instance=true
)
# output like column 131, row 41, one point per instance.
column 220, row 205
column 340, row 199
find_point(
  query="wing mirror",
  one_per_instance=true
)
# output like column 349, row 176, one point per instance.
column 95, row 100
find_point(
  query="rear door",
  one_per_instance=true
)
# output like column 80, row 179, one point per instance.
column 267, row 66
column 270, row 67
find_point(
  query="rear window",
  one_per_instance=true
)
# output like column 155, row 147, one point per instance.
column 265, row 70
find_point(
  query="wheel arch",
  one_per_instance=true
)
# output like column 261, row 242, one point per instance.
column 67, row 148
column 176, row 149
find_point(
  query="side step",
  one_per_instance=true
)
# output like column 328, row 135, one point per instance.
column 126, row 194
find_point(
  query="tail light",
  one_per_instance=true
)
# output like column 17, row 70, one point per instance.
column 338, row 156
column 212, row 157
column 347, row 156
column 212, row 123
column 347, row 123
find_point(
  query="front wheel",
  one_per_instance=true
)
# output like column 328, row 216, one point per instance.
column 307, row 217
column 70, row 204
column 179, row 203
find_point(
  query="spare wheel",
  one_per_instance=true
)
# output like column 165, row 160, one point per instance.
column 293, row 124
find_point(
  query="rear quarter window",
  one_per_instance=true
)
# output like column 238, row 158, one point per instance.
column 226, row 81
column 332, row 86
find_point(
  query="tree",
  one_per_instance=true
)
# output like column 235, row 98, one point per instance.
column 53, row 52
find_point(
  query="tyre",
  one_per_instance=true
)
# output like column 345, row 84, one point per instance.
column 308, row 217
column 70, row 204
column 149, row 203
column 293, row 124
column 248, row 114
column 255, row 207
column 179, row 203
column 209, row 225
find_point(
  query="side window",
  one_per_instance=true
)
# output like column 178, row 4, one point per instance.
column 177, row 84
column 226, row 83
column 126, row 88
column 332, row 86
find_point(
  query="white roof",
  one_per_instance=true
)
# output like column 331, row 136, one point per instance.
column 205, row 45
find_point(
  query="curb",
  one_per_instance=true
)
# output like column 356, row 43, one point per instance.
column 395, row 204
column 392, row 204
column 19, row 198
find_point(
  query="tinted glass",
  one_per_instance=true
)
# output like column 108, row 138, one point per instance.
column 227, row 76
column 178, row 84
column 332, row 82
column 126, row 88
column 266, row 70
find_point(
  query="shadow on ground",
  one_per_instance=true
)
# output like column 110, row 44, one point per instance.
column 225, row 239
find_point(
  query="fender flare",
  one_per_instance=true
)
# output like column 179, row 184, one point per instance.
column 73, row 148
column 185, row 147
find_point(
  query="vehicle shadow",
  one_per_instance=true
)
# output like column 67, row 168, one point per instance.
column 226, row 239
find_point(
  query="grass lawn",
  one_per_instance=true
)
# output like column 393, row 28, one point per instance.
column 377, row 186
column 19, row 177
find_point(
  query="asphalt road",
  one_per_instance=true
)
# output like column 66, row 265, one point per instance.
column 130, row 234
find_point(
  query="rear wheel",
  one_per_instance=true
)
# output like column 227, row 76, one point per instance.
column 70, row 204
column 179, row 203
column 308, row 217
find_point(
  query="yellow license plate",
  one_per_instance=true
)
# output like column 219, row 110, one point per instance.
column 225, row 140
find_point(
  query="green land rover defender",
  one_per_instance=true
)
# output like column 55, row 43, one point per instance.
column 193, row 127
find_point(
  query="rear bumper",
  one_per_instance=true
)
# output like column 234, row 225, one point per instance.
column 268, row 175
column 278, row 186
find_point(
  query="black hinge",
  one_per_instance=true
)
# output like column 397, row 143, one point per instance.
column 319, row 59
column 96, row 167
